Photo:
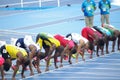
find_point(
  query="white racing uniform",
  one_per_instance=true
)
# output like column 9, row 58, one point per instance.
column 77, row 37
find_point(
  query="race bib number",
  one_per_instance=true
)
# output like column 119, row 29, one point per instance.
column 4, row 51
column 104, row 9
column 88, row 8
column 18, row 44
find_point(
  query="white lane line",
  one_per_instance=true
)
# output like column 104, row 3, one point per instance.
column 85, row 77
column 113, row 64
column 106, row 68
column 15, row 32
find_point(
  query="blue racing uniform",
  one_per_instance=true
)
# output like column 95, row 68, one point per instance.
column 104, row 7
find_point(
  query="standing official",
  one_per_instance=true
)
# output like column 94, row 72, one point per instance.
column 88, row 8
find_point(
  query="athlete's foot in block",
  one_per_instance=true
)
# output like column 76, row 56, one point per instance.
column 102, row 53
column 65, row 57
column 70, row 62
column 90, row 56
column 56, row 67
column 113, row 51
column 31, row 74
column 23, row 76
column 38, row 70
column 47, row 69
column 107, row 52
column 83, row 59
column 73, row 55
column 97, row 55
column 76, row 61
column 61, row 65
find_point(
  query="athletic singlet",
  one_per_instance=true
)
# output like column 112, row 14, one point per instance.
column 47, row 39
column 77, row 37
column 96, row 32
column 13, row 50
column 64, row 41
column 108, row 33
column 102, row 30
column 31, row 42
column 55, row 41
column 89, row 33
column 113, row 27
column 107, row 27
column 23, row 43
column 40, row 40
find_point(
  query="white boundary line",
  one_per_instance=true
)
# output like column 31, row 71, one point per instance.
column 23, row 12
column 15, row 32
column 29, row 2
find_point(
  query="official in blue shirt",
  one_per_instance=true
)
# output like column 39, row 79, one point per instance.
column 104, row 6
column 88, row 7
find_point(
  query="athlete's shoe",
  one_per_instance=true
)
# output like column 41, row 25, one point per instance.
column 50, row 63
column 65, row 57
column 74, row 55
column 13, row 67
column 57, row 60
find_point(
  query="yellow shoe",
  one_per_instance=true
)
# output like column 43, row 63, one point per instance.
column 74, row 55
column 18, row 72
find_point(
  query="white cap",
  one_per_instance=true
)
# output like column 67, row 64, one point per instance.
column 2, row 43
column 28, row 40
column 13, row 41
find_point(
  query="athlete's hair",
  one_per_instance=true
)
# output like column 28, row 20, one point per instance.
column 6, row 66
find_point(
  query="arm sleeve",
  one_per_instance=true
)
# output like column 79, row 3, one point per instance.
column 83, row 6
column 99, row 5
column 94, row 4
column 109, row 4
